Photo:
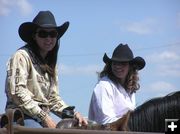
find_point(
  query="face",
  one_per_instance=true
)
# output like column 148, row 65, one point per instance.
column 46, row 40
column 120, row 69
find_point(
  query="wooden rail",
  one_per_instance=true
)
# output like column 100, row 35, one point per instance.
column 24, row 130
column 12, row 122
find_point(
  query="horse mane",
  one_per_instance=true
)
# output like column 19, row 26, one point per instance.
column 151, row 115
column 148, row 117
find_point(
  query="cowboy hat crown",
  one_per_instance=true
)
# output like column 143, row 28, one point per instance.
column 122, row 53
column 44, row 19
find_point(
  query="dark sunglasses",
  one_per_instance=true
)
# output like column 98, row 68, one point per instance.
column 45, row 34
column 120, row 63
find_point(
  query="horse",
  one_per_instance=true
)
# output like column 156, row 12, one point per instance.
column 148, row 117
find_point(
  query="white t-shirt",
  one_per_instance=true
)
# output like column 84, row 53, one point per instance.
column 109, row 102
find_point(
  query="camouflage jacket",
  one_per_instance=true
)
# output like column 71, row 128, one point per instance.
column 30, row 89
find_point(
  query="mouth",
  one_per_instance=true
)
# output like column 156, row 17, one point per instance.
column 47, row 44
column 119, row 70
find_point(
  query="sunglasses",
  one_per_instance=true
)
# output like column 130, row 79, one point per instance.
column 45, row 34
column 117, row 63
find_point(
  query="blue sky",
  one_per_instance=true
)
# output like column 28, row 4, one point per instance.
column 150, row 27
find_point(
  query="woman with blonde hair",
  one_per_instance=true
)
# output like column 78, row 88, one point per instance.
column 114, row 94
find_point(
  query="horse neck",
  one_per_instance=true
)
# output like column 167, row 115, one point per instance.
column 121, row 124
column 150, row 116
column 144, row 119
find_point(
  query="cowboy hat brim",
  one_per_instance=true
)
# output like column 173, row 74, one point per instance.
column 27, row 29
column 139, row 62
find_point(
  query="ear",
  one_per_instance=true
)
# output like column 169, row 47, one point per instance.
column 121, row 124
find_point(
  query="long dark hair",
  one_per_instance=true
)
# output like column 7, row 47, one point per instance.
column 49, row 63
column 131, row 83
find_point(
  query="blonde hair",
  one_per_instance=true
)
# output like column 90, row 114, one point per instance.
column 131, row 84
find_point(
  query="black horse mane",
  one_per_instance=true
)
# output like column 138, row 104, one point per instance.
column 151, row 115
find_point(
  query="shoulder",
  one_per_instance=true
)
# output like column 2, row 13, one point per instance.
column 106, row 82
column 20, row 56
column 104, row 85
column 21, row 53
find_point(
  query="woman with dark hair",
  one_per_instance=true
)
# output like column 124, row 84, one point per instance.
column 32, row 77
column 113, row 95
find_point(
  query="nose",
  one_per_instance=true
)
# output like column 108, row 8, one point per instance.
column 120, row 63
column 48, row 38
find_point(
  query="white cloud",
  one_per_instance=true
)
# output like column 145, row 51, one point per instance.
column 169, row 70
column 6, row 6
column 24, row 6
column 166, row 63
column 165, row 56
column 162, row 87
column 79, row 70
column 143, row 27
column 156, row 89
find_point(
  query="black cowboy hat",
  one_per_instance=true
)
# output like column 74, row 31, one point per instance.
column 122, row 53
column 44, row 19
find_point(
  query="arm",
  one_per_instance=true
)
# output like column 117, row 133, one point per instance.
column 102, row 108
column 56, row 103
column 18, row 69
column 60, row 108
